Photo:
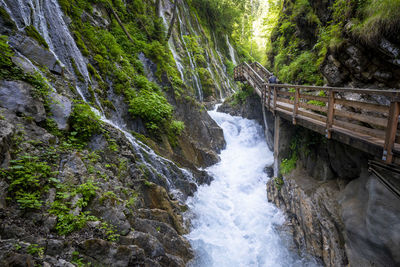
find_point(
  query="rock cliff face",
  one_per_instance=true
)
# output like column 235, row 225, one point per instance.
column 81, row 178
column 339, row 211
column 328, row 32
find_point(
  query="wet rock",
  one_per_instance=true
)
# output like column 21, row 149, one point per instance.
column 115, row 216
column 370, row 212
column 6, row 132
column 60, row 108
column 156, row 197
column 312, row 210
column 346, row 161
column 54, row 247
column 72, row 169
column 16, row 259
column 173, row 243
column 17, row 96
column 150, row 68
column 382, row 75
column 35, row 52
column 151, row 246
column 269, row 170
column 116, row 255
column 332, row 71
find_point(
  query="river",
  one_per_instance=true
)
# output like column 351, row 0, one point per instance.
column 232, row 222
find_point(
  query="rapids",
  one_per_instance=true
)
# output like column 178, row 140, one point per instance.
column 232, row 222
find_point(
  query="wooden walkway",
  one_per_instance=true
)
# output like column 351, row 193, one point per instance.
column 348, row 115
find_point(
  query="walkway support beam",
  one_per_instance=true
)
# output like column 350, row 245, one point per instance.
column 391, row 130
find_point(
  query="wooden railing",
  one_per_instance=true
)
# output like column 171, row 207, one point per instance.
column 373, row 116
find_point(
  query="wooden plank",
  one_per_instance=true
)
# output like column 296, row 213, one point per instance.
column 391, row 130
column 363, row 105
column 314, row 97
column 312, row 115
column 360, row 129
column 285, row 100
column 286, row 93
column 313, row 107
column 285, row 107
column 360, row 117
column 330, row 115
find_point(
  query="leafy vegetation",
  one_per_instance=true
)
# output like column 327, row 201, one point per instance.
column 84, row 123
column 153, row 108
column 241, row 95
column 376, row 18
column 28, row 175
column 287, row 165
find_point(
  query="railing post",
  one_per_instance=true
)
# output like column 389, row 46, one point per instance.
column 296, row 104
column 275, row 97
column 391, row 131
column 269, row 97
column 330, row 115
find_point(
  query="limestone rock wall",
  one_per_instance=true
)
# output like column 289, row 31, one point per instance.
column 339, row 211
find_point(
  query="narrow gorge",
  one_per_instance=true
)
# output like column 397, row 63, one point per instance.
column 146, row 133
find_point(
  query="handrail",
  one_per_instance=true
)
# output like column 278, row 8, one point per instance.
column 385, row 92
column 327, row 109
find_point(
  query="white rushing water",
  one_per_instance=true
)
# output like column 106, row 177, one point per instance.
column 233, row 223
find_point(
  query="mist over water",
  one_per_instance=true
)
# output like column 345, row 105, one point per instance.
column 233, row 223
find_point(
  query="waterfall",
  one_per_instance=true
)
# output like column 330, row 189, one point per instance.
column 233, row 224
column 50, row 23
column 231, row 50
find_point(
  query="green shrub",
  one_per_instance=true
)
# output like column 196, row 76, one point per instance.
column 302, row 70
column 34, row 249
column 152, row 107
column 177, row 127
column 240, row 96
column 287, row 165
column 84, row 123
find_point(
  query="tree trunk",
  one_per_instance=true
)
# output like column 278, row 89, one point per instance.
column 171, row 25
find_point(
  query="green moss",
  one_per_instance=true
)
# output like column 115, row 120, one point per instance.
column 8, row 22
column 32, row 32
column 207, row 82
column 76, row 70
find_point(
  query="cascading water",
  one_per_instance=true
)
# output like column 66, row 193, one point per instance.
column 48, row 18
column 231, row 50
column 233, row 223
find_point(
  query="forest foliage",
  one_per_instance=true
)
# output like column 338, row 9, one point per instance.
column 300, row 38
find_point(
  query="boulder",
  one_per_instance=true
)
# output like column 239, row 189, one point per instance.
column 370, row 213
column 106, row 253
column 60, row 108
column 17, row 97
column 35, row 52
